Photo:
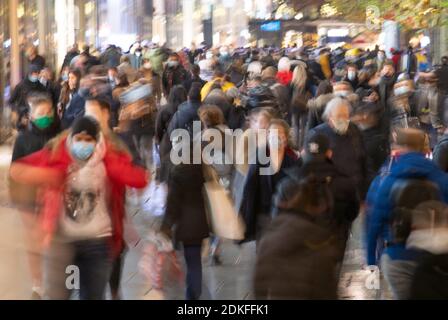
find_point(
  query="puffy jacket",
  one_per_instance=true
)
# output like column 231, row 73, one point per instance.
column 225, row 85
column 440, row 154
column 296, row 259
column 380, row 206
column 50, row 166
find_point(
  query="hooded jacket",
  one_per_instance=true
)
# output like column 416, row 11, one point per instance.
column 49, row 168
column 380, row 205
column 296, row 259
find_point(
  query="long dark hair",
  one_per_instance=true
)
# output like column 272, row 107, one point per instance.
column 177, row 95
column 309, row 195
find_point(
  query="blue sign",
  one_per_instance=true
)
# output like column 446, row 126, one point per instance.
column 271, row 26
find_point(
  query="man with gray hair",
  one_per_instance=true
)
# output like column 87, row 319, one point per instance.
column 349, row 155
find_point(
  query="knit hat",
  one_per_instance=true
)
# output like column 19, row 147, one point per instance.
column 34, row 69
column 317, row 144
column 86, row 125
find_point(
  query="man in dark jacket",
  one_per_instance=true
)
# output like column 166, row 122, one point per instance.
column 173, row 74
column 18, row 100
column 440, row 154
column 35, row 59
column 317, row 163
column 71, row 54
column 349, row 155
column 187, row 112
column 193, row 77
column 386, row 87
column 298, row 255
column 398, row 263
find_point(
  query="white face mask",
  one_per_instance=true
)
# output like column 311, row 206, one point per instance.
column 147, row 65
column 351, row 75
column 342, row 93
column 340, row 126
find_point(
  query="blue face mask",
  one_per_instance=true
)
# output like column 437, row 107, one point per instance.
column 82, row 150
column 33, row 79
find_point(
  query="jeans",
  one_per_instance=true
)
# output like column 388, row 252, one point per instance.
column 399, row 275
column 193, row 261
column 94, row 262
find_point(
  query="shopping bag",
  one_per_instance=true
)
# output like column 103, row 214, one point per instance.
column 154, row 200
column 223, row 218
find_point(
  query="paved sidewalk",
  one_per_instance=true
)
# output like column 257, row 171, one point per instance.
column 232, row 280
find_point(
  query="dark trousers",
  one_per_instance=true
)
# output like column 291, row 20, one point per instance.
column 193, row 261
column 93, row 260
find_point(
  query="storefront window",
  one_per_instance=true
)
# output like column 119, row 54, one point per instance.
column 5, row 42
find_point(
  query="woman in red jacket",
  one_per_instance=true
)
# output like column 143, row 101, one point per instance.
column 82, row 178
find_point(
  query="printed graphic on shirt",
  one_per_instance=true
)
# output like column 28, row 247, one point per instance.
column 80, row 205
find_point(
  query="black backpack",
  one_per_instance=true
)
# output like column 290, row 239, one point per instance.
column 407, row 194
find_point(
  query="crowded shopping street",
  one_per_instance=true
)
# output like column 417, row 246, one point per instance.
column 223, row 150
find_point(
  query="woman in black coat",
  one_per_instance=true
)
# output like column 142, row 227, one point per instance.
column 185, row 213
column 298, row 254
column 177, row 96
column 260, row 186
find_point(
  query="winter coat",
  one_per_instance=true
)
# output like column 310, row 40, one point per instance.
column 218, row 98
column 21, row 92
column 173, row 76
column 296, row 259
column 156, row 57
column 380, row 205
column 27, row 142
column 440, row 153
column 349, row 154
column 48, row 168
column 316, row 108
column 185, row 208
column 75, row 109
column 184, row 117
column 346, row 204
column 193, row 79
column 225, row 85
column 258, row 191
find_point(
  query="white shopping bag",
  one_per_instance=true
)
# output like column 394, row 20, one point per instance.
column 154, row 199
column 223, row 219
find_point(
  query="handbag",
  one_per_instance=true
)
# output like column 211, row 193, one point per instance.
column 222, row 216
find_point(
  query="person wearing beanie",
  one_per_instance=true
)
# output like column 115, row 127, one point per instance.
column 317, row 163
column 82, row 179
column 187, row 112
column 20, row 94
column 407, row 164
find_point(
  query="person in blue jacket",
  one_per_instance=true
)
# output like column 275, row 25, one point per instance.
column 408, row 161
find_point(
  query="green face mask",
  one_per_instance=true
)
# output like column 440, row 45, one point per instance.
column 43, row 122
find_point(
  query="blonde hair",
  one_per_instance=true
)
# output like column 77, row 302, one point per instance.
column 299, row 77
